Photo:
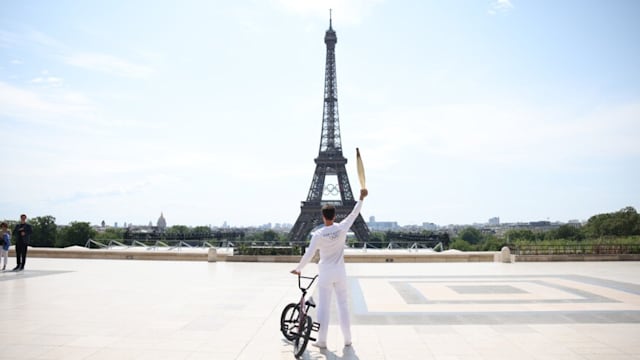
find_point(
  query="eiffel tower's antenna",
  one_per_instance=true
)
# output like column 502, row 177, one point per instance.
column 330, row 19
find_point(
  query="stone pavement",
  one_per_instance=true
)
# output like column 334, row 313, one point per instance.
column 127, row 309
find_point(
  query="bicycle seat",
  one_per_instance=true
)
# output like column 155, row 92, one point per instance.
column 310, row 302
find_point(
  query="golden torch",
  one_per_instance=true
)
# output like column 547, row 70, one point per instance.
column 361, row 177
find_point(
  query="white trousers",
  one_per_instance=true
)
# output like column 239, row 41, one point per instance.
column 333, row 277
column 4, row 254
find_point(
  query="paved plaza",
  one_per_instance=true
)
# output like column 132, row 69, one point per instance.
column 127, row 309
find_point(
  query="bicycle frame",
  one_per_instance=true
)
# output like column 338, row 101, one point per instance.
column 297, row 327
column 304, row 304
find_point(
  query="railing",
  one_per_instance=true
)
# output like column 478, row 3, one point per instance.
column 410, row 246
column 577, row 249
column 150, row 245
column 153, row 245
column 110, row 244
column 267, row 250
column 96, row 243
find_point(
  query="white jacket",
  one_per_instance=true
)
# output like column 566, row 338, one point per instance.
column 330, row 240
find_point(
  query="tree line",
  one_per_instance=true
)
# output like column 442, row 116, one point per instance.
column 621, row 224
column 624, row 223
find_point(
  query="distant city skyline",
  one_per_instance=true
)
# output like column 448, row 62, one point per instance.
column 212, row 111
column 162, row 222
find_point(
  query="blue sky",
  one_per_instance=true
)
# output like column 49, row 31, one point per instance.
column 211, row 111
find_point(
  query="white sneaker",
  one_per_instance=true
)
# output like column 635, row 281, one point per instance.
column 320, row 345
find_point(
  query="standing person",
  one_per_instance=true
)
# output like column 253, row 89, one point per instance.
column 22, row 232
column 5, row 244
column 330, row 240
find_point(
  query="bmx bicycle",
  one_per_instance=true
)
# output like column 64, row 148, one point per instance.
column 295, row 322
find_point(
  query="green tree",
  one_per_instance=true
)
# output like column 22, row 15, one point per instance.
column 202, row 231
column 77, row 233
column 490, row 243
column 567, row 232
column 283, row 239
column 595, row 226
column 520, row 234
column 178, row 232
column 471, row 235
column 460, row 244
column 625, row 222
column 110, row 234
column 269, row 236
column 380, row 239
column 45, row 231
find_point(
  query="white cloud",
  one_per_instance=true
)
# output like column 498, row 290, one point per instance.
column 92, row 61
column 28, row 37
column 500, row 6
column 47, row 80
column 108, row 64
column 26, row 104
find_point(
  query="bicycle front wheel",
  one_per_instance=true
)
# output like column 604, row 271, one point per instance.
column 300, row 342
column 289, row 321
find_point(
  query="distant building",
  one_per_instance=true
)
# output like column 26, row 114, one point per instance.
column 162, row 223
column 429, row 226
column 540, row 224
column 494, row 221
column 381, row 225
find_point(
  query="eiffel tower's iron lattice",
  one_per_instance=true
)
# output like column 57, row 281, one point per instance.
column 330, row 161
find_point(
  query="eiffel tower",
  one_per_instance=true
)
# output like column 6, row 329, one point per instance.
column 330, row 162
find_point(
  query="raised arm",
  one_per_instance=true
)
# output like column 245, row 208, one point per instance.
column 348, row 221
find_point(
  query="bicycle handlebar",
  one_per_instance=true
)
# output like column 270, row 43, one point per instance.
column 308, row 278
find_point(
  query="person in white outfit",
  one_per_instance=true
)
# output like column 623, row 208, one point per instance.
column 331, row 240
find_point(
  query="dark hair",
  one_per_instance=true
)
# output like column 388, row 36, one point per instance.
column 4, row 224
column 329, row 211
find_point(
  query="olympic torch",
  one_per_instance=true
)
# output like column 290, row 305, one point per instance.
column 360, row 166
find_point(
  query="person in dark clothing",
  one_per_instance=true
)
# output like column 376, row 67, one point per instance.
column 22, row 233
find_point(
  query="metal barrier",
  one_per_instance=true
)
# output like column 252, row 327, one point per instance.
column 93, row 242
column 159, row 244
column 118, row 243
column 576, row 249
column 178, row 245
column 403, row 245
column 139, row 243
